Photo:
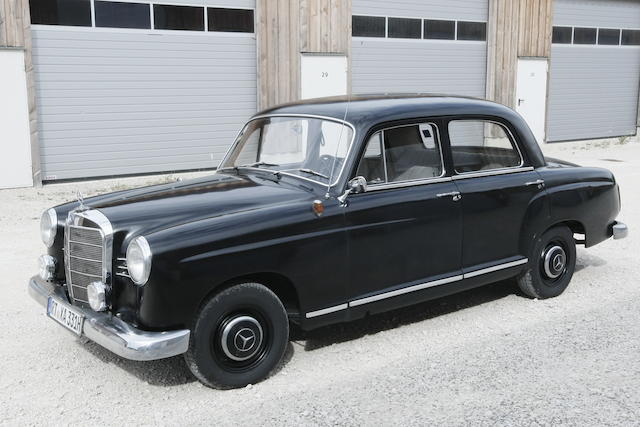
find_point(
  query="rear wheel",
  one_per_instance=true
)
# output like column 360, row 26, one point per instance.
column 239, row 337
column 551, row 264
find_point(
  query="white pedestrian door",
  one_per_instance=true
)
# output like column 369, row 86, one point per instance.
column 531, row 94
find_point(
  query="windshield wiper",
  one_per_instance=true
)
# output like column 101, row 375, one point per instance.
column 310, row 172
column 257, row 164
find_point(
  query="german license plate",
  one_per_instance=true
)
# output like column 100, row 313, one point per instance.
column 63, row 314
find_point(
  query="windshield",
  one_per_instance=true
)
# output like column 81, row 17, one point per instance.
column 308, row 147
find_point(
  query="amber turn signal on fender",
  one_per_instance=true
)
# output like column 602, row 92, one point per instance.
column 318, row 207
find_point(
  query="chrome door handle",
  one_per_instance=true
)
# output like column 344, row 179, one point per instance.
column 538, row 183
column 455, row 195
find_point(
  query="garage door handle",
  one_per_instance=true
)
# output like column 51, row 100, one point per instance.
column 455, row 195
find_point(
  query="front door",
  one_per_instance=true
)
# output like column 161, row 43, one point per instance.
column 404, row 230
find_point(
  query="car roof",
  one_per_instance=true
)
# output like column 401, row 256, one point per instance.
column 374, row 108
column 365, row 111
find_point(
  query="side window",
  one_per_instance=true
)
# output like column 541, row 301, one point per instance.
column 411, row 153
column 404, row 153
column 372, row 164
column 479, row 145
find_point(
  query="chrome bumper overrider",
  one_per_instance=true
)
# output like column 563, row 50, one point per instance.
column 114, row 334
column 620, row 230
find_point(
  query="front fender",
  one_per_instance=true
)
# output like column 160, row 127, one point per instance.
column 193, row 260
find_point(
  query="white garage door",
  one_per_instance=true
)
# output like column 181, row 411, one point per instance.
column 420, row 46
column 131, row 87
column 595, row 69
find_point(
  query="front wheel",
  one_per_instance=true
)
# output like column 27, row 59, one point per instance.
column 239, row 337
column 551, row 264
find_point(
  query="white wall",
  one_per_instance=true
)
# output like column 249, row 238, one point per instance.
column 15, row 146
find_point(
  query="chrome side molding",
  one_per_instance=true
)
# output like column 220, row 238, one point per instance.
column 495, row 268
column 326, row 310
column 418, row 287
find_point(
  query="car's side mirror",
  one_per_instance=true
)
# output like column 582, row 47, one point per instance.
column 358, row 185
column 354, row 186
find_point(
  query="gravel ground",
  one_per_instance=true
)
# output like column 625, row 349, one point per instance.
column 487, row 356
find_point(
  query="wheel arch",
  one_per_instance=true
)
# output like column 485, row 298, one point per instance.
column 277, row 283
column 533, row 230
column 575, row 226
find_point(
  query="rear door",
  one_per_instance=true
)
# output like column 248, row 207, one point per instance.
column 498, row 191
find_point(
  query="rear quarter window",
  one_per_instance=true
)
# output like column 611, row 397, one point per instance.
column 480, row 145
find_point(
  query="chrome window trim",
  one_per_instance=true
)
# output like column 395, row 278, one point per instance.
column 294, row 115
column 411, row 182
column 418, row 287
column 509, row 135
column 105, row 228
column 492, row 172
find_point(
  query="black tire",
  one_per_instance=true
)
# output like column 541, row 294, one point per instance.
column 238, row 337
column 552, row 262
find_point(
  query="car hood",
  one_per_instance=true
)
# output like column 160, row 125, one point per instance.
column 149, row 209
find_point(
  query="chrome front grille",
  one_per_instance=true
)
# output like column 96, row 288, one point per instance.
column 87, row 252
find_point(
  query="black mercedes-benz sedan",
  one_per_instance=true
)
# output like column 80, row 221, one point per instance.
column 322, row 211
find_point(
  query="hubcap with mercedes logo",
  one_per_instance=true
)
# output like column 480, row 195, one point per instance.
column 241, row 338
column 555, row 260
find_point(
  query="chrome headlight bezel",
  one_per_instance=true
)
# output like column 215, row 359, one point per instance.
column 139, row 260
column 48, row 227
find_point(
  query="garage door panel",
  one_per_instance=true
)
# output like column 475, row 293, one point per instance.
column 597, row 13
column 185, row 104
column 155, row 88
column 116, row 167
column 131, row 143
column 144, row 70
column 201, row 147
column 160, row 111
column 397, row 66
column 106, row 124
column 593, row 92
column 124, row 97
column 140, row 60
column 53, row 36
column 387, row 64
column 593, row 89
column 434, row 9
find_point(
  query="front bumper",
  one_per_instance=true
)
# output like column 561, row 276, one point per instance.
column 620, row 230
column 114, row 334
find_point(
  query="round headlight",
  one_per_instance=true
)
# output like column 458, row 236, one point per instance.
column 139, row 260
column 48, row 227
